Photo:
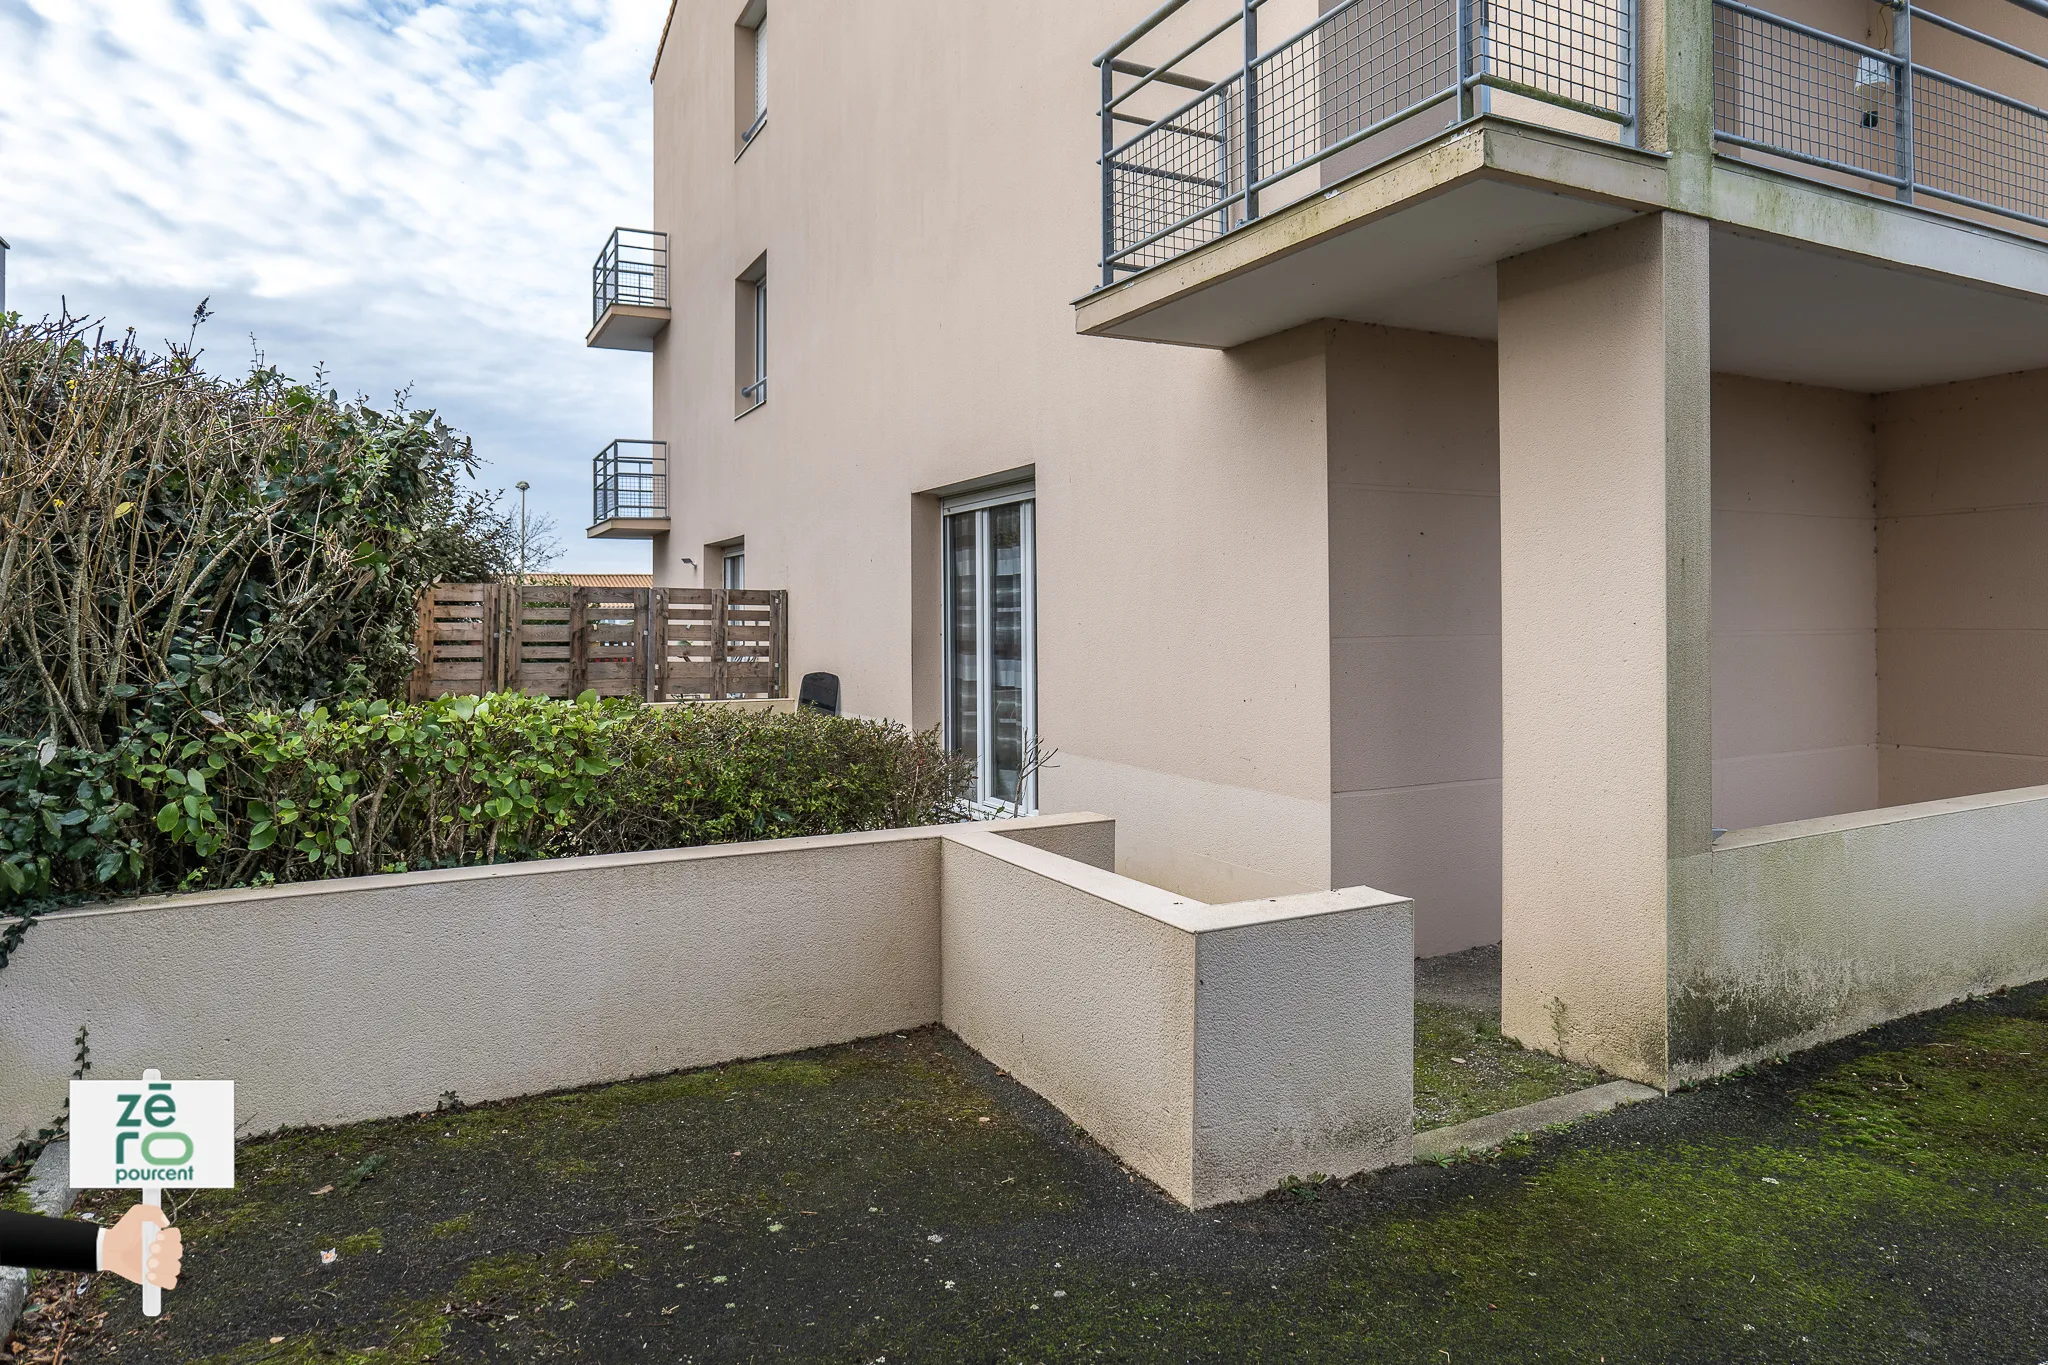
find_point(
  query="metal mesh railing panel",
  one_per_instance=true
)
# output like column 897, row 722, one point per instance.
column 1793, row 92
column 1181, row 170
column 1982, row 149
column 632, row 269
column 1364, row 66
column 1361, row 66
column 630, row 479
column 1577, row 50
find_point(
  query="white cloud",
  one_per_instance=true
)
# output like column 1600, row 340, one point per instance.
column 407, row 191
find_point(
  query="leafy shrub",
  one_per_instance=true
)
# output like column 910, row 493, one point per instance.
column 691, row 775
column 252, row 541
column 364, row 786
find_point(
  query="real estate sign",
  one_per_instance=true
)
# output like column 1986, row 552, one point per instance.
column 151, row 1133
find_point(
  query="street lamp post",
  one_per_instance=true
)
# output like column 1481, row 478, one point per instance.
column 522, row 486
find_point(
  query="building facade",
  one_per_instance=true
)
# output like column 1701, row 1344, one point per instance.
column 1577, row 467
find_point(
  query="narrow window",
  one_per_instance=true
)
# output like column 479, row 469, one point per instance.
column 735, row 559
column 750, row 73
column 991, row 653
column 751, row 348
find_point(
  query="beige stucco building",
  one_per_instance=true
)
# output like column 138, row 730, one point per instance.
column 1597, row 489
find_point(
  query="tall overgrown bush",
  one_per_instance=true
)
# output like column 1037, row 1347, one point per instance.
column 364, row 786
column 208, row 590
column 234, row 542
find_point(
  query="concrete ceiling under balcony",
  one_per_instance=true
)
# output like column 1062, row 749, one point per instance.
column 1428, row 266
column 1829, row 293
column 1790, row 311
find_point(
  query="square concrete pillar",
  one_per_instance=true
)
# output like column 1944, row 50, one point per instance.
column 1607, row 778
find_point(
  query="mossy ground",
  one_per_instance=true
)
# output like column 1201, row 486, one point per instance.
column 1465, row 1068
column 1881, row 1200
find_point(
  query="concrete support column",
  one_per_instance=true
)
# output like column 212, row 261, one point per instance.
column 1607, row 764
column 1675, row 94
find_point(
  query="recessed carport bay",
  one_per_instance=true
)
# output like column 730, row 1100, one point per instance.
column 1876, row 507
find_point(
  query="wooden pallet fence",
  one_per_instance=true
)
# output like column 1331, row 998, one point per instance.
column 552, row 640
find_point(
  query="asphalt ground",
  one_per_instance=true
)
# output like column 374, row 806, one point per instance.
column 1884, row 1199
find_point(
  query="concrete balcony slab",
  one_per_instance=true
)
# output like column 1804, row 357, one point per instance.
column 627, row 327
column 629, row 528
column 1812, row 282
column 1408, row 243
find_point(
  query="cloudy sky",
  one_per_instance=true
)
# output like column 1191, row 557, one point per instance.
column 409, row 192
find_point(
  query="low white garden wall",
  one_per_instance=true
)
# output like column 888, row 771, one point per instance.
column 1814, row 930
column 1215, row 1049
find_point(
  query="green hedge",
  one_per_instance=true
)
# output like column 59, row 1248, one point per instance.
column 364, row 787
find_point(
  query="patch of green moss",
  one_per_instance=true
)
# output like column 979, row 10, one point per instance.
column 520, row 1280
column 597, row 1107
column 414, row 1335
column 1977, row 1093
column 566, row 1168
column 361, row 1243
column 1465, row 1068
column 474, row 1129
column 1761, row 1234
column 1641, row 1252
column 459, row 1225
column 308, row 1158
column 1611, row 1255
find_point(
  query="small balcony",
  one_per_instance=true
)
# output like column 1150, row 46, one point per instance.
column 1377, row 165
column 629, row 291
column 1210, row 125
column 1917, row 107
column 1241, row 120
column 629, row 484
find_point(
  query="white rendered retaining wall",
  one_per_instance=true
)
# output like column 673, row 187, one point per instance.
column 1215, row 1049
column 1813, row 930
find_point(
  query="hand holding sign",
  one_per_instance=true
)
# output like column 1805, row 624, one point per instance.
column 145, row 1135
column 122, row 1251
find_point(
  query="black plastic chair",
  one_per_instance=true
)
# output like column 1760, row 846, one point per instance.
column 820, row 692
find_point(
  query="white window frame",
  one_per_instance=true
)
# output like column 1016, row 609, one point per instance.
column 761, row 338
column 981, row 502
column 754, row 19
column 732, row 562
column 754, row 393
column 760, row 71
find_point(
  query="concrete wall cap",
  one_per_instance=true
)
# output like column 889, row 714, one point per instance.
column 545, row 867
column 1180, row 912
column 1867, row 819
column 1307, row 905
column 1138, row 897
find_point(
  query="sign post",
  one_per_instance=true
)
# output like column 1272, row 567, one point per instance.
column 148, row 1135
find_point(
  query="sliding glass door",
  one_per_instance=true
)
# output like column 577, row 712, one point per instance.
column 992, row 643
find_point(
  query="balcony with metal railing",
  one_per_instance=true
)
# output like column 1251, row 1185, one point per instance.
column 1916, row 104
column 1860, row 163
column 629, row 485
column 1236, row 122
column 1371, row 163
column 629, row 291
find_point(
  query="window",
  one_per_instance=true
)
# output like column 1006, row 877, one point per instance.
column 991, row 650
column 735, row 559
column 751, row 344
column 750, row 73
